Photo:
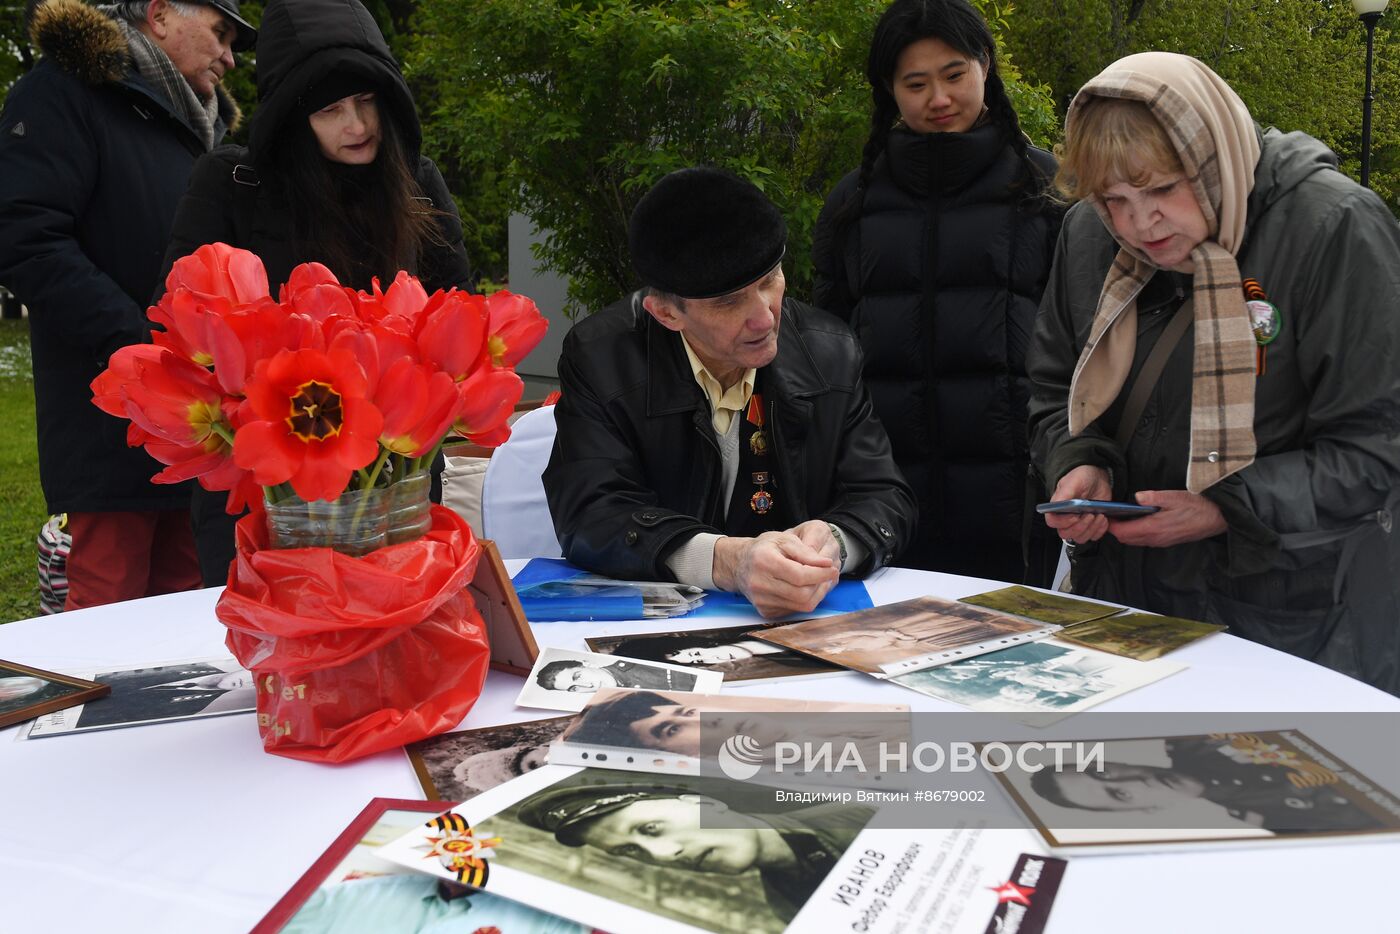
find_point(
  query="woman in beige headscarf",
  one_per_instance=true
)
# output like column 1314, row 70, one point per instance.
column 1266, row 425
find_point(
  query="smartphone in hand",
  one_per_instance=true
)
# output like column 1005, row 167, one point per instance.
column 1113, row 510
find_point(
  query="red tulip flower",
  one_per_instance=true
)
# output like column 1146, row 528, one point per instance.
column 311, row 423
column 314, row 291
column 516, row 326
column 452, row 336
column 488, row 399
column 217, row 270
column 418, row 404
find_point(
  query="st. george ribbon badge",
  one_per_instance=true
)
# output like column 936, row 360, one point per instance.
column 1264, row 319
column 761, row 501
column 460, row 852
column 758, row 441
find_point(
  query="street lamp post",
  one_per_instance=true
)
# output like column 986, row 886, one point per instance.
column 1370, row 12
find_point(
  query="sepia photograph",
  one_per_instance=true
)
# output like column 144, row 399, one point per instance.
column 1038, row 605
column 26, row 693
column 1036, row 677
column 459, row 766
column 349, row 888
column 564, row 680
column 180, row 691
column 1143, row 636
column 905, row 636
column 733, row 651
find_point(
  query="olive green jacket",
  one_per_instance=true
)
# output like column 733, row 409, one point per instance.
column 1308, row 564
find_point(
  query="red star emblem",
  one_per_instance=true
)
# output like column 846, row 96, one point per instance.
column 1011, row 892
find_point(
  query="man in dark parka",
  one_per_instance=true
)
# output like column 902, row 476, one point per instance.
column 96, row 145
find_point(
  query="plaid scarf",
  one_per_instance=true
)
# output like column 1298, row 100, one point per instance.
column 160, row 73
column 1218, row 145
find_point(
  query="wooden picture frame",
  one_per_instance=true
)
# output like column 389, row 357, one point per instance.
column 288, row 905
column 55, row 693
column 513, row 647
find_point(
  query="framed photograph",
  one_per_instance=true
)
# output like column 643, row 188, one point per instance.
column 898, row 638
column 459, row 766
column 563, row 679
column 513, row 647
column 176, row 691
column 26, row 693
column 731, row 650
column 349, row 884
column 1146, row 793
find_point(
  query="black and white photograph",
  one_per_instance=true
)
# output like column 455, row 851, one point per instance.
column 26, row 693
column 177, row 691
column 1211, row 788
column 707, row 853
column 565, row 680
column 674, row 722
column 459, row 766
column 733, row 651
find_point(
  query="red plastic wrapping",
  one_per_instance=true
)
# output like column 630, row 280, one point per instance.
column 356, row 655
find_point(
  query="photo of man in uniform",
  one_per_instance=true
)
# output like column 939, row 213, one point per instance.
column 1248, row 791
column 680, row 830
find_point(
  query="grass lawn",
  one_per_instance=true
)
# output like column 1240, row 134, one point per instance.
column 21, row 501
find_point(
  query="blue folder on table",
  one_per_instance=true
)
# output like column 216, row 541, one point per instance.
column 542, row 586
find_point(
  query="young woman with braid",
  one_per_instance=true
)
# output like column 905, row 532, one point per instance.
column 936, row 251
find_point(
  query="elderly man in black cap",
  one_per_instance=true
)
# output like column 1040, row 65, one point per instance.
column 711, row 431
column 673, row 827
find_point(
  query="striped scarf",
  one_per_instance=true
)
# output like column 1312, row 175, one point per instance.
column 160, row 73
column 1218, row 145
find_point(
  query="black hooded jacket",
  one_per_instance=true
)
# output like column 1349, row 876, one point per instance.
column 235, row 196
column 93, row 162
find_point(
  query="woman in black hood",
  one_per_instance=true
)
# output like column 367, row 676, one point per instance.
column 332, row 174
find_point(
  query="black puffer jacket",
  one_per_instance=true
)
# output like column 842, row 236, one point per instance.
column 635, row 469
column 92, row 164
column 236, row 197
column 940, row 277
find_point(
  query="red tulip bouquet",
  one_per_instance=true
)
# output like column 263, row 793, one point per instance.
column 323, row 407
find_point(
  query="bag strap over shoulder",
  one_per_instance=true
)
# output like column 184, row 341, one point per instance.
column 245, row 200
column 1151, row 372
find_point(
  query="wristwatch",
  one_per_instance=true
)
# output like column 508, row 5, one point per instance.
column 840, row 541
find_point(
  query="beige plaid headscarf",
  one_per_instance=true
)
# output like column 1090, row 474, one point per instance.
column 1216, row 141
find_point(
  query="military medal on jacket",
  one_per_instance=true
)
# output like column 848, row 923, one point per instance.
column 762, row 500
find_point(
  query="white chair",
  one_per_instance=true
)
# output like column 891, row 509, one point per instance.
column 514, row 513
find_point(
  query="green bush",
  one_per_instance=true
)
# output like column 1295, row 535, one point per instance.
column 576, row 109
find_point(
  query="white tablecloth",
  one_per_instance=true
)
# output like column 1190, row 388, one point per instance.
column 190, row 826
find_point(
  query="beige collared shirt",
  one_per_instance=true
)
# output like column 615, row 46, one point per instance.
column 693, row 562
column 724, row 403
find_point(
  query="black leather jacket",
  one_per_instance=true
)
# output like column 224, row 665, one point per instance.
column 635, row 471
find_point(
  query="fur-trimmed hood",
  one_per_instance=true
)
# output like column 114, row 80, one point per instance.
column 88, row 44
